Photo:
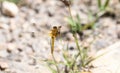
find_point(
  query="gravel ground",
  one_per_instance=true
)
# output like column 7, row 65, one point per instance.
column 24, row 38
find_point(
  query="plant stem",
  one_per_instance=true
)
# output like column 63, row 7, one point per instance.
column 55, row 62
column 69, row 8
column 80, row 50
column 76, row 41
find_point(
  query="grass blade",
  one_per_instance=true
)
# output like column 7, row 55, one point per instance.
column 99, row 4
column 106, row 3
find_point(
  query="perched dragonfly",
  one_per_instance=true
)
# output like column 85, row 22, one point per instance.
column 55, row 31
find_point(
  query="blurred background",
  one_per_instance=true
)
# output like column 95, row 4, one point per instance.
column 25, row 26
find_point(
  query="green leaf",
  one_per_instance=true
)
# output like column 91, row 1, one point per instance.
column 78, row 26
column 50, row 61
column 72, row 24
column 70, row 21
column 68, row 63
column 51, row 69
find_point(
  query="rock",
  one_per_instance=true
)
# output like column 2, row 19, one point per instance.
column 3, row 65
column 108, row 60
column 9, row 9
column 11, row 47
column 69, row 37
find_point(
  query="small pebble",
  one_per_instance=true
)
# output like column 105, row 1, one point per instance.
column 3, row 65
column 9, row 9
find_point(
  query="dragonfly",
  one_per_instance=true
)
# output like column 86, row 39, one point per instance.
column 55, row 32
